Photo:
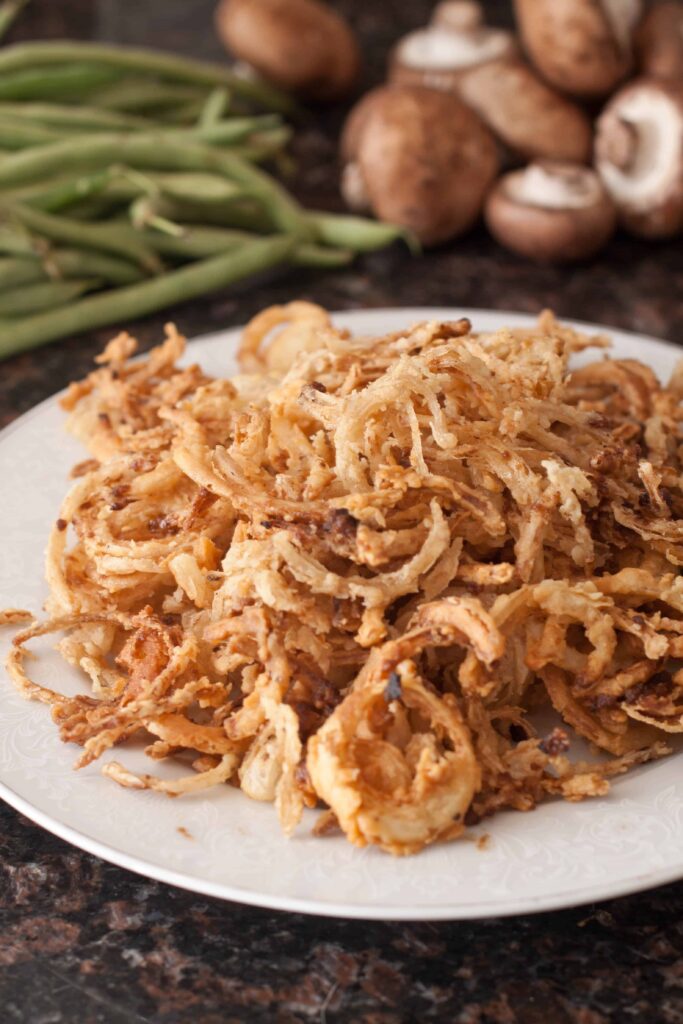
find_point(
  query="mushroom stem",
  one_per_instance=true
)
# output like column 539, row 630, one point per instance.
column 620, row 144
column 639, row 156
column 554, row 186
column 353, row 188
column 458, row 15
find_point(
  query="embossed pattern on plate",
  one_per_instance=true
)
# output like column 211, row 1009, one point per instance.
column 560, row 855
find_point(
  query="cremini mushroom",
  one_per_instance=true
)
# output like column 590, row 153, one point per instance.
column 551, row 212
column 419, row 158
column 458, row 53
column 639, row 156
column 300, row 45
column 582, row 47
column 659, row 41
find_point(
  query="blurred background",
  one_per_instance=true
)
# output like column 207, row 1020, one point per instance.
column 632, row 283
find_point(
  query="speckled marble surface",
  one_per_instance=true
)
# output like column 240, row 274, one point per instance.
column 82, row 942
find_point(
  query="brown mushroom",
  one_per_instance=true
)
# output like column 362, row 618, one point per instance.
column 659, row 41
column 582, row 47
column 551, row 212
column 419, row 158
column 300, row 45
column 458, row 53
column 639, row 156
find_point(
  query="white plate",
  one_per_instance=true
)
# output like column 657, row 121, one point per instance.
column 560, row 855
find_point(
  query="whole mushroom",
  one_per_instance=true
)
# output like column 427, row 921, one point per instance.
column 481, row 65
column 551, row 212
column 418, row 158
column 582, row 47
column 659, row 41
column 639, row 156
column 300, row 45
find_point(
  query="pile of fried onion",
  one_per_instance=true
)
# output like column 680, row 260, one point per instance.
column 352, row 576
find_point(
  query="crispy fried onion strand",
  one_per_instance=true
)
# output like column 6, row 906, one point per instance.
column 352, row 573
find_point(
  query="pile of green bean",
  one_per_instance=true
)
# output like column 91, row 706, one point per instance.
column 129, row 181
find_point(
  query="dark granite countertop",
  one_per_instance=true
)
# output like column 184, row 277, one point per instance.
column 83, row 942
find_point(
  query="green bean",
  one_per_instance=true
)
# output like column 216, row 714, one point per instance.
column 9, row 11
column 37, row 298
column 234, row 129
column 131, row 94
column 138, row 300
column 16, row 241
column 16, row 134
column 151, row 62
column 64, row 192
column 263, row 145
column 69, row 263
column 72, row 81
column 358, row 233
column 217, row 102
column 197, row 242
column 58, row 264
column 200, row 242
column 110, row 238
column 185, row 115
column 196, row 186
column 162, row 154
column 75, row 118
column 123, row 185
column 308, row 254
column 241, row 213
column 95, row 210
column 17, row 270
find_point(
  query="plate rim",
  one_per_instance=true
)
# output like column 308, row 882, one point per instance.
column 497, row 907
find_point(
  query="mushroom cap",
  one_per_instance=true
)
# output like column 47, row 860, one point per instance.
column 300, row 45
column 639, row 156
column 582, row 47
column 480, row 66
column 551, row 212
column 529, row 116
column 425, row 159
column 659, row 41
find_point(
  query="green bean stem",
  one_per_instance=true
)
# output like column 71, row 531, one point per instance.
column 138, row 300
column 122, row 60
